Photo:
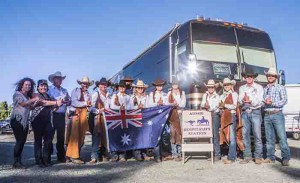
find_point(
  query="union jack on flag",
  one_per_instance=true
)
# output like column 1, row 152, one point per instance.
column 123, row 118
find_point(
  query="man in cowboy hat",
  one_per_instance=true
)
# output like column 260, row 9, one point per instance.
column 100, row 101
column 57, row 92
column 250, row 98
column 80, row 102
column 120, row 101
column 128, row 82
column 158, row 98
column 275, row 97
column 210, row 102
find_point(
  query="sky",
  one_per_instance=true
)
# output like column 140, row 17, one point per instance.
column 98, row 37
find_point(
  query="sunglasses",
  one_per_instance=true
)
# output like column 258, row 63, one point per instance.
column 272, row 76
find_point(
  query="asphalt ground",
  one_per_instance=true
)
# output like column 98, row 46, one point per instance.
column 197, row 169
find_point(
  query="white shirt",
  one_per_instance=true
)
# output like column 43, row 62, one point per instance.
column 213, row 101
column 75, row 97
column 57, row 94
column 180, row 100
column 255, row 93
column 140, row 100
column 104, row 98
column 158, row 95
column 124, row 100
column 231, row 107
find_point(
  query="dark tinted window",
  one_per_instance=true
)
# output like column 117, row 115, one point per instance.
column 254, row 39
column 213, row 33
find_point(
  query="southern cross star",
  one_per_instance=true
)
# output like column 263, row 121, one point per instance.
column 160, row 111
column 125, row 139
column 149, row 122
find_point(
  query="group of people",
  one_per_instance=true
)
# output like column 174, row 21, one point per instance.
column 233, row 117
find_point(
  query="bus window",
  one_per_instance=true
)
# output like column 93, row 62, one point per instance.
column 254, row 39
column 214, row 43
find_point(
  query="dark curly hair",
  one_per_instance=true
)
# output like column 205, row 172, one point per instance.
column 20, row 84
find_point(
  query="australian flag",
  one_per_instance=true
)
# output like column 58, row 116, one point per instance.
column 135, row 129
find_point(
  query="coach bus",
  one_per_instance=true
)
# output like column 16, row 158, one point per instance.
column 202, row 49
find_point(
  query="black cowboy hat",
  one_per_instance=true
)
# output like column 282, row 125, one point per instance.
column 159, row 82
column 102, row 81
column 248, row 71
column 128, row 79
column 122, row 83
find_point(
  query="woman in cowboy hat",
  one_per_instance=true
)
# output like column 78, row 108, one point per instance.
column 80, row 101
column 228, row 105
column 120, row 101
column 158, row 98
column 139, row 101
column 210, row 102
column 100, row 101
column 176, row 97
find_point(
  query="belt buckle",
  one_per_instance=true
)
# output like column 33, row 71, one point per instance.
column 249, row 110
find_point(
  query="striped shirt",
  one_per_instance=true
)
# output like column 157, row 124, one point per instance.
column 278, row 96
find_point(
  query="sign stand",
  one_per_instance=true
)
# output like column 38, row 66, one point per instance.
column 196, row 133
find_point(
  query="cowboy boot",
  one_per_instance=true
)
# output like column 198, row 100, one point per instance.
column 15, row 164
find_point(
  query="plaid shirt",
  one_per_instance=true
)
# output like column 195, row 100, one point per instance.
column 278, row 96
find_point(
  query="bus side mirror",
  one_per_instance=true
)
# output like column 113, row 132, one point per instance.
column 281, row 77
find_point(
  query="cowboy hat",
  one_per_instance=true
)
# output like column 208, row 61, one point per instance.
column 128, row 79
column 56, row 74
column 159, row 82
column 228, row 81
column 102, row 81
column 272, row 71
column 85, row 80
column 248, row 71
column 140, row 84
column 211, row 83
column 122, row 83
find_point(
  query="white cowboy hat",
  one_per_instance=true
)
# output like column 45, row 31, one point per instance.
column 272, row 71
column 85, row 80
column 228, row 81
column 56, row 74
column 140, row 84
column 211, row 83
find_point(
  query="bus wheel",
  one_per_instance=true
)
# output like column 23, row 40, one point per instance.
column 296, row 135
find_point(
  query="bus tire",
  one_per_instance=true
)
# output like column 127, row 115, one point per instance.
column 296, row 135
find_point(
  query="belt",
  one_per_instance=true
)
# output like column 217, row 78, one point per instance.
column 59, row 113
column 272, row 112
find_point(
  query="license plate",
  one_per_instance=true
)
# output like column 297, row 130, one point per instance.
column 221, row 69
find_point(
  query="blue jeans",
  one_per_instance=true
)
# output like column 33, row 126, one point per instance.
column 232, row 144
column 176, row 150
column 216, row 134
column 95, row 146
column 252, row 120
column 276, row 122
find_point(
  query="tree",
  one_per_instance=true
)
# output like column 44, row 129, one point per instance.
column 4, row 110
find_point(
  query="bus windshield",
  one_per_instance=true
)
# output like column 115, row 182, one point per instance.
column 219, row 44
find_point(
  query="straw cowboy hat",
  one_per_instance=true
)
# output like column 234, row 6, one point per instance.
column 85, row 80
column 248, row 71
column 56, row 74
column 272, row 71
column 102, row 81
column 127, row 79
column 140, row 84
column 211, row 83
column 159, row 82
column 228, row 81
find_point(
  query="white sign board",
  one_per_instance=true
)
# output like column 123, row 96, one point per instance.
column 196, row 124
